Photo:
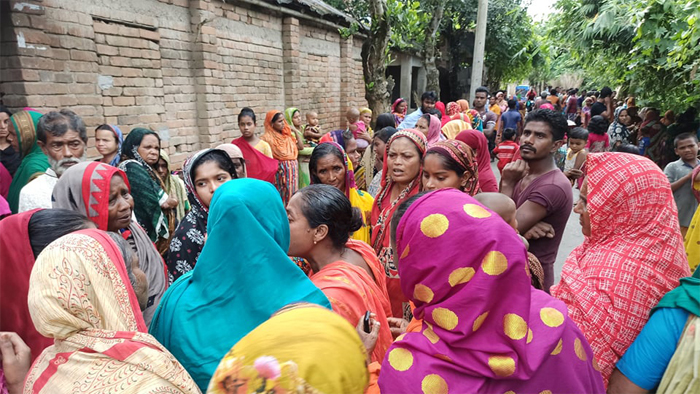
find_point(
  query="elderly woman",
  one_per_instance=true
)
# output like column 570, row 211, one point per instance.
column 92, row 313
column 235, row 285
column 632, row 254
column 402, row 171
column 154, row 208
column 110, row 205
column 485, row 329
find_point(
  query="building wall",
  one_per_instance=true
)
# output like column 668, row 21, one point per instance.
column 184, row 68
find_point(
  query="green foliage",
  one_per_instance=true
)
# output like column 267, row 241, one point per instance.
column 649, row 49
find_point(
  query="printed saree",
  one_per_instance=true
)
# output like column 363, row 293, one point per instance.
column 485, row 329
column 633, row 256
column 34, row 161
column 297, row 350
column 382, row 212
column 79, row 295
column 85, row 188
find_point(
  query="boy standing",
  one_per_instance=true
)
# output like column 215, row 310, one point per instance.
column 576, row 155
column 506, row 150
column 679, row 173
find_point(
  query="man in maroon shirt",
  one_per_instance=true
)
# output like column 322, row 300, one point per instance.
column 540, row 190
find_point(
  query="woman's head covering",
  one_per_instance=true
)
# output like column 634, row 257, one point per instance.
column 477, row 141
column 84, row 188
column 364, row 110
column 234, row 152
column 396, row 103
column 16, row 262
column 80, row 294
column 120, row 141
column 618, row 132
column 282, row 143
column 34, row 161
column 288, row 115
column 463, row 105
column 349, row 173
column 382, row 211
column 130, row 149
column 302, row 348
column 454, row 127
column 440, row 106
column 247, row 234
column 452, row 109
column 188, row 176
column 464, row 156
column 485, row 328
column 434, row 130
column 634, row 234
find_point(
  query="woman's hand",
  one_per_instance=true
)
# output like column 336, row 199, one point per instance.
column 16, row 358
column 169, row 203
column 369, row 339
column 397, row 325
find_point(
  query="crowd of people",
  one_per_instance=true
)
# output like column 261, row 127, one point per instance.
column 383, row 257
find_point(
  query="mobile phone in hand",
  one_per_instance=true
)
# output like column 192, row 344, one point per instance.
column 365, row 323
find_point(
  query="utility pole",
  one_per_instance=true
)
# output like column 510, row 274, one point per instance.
column 479, row 44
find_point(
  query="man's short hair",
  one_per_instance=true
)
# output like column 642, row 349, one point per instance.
column 482, row 89
column 684, row 136
column 429, row 95
column 556, row 121
column 58, row 123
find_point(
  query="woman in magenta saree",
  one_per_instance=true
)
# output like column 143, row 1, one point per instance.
column 485, row 328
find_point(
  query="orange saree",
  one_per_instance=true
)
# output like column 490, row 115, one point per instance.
column 352, row 292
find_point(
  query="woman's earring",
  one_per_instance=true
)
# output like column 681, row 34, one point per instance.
column 314, row 242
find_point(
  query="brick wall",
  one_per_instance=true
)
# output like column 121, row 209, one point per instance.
column 184, row 68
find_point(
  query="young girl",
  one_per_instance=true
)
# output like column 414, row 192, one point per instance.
column 450, row 164
column 256, row 152
column 598, row 138
column 246, row 123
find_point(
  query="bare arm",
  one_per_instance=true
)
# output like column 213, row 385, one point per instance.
column 619, row 384
column 529, row 214
column 310, row 133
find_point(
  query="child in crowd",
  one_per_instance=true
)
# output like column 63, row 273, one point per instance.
column 598, row 138
column 358, row 129
column 504, row 207
column 507, row 150
column 312, row 131
column 576, row 155
column 679, row 174
column 246, row 123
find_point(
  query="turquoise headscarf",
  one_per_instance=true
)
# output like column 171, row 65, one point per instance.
column 242, row 277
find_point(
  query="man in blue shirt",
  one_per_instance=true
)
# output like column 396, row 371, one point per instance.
column 428, row 100
column 512, row 119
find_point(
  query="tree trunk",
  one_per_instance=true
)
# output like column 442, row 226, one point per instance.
column 375, row 58
column 430, row 49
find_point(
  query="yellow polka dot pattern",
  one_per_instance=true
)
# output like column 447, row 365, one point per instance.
column 445, row 318
column 580, row 351
column 509, row 392
column 479, row 321
column 476, row 211
column 400, row 359
column 557, row 349
column 431, row 335
column 434, row 384
column 595, row 365
column 502, row 365
column 514, row 326
column 495, row 263
column 423, row 293
column 546, row 392
column 461, row 275
column 400, row 337
column 551, row 317
column 434, row 225
column 405, row 252
column 529, row 336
